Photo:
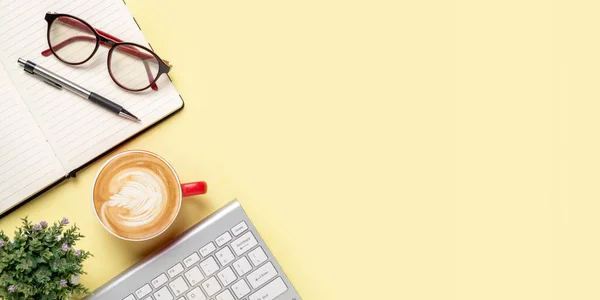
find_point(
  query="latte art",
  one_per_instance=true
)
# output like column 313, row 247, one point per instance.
column 139, row 201
column 136, row 196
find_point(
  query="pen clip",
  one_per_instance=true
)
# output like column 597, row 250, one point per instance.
column 28, row 67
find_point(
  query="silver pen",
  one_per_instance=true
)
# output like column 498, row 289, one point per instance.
column 60, row 82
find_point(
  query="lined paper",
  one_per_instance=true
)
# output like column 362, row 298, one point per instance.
column 27, row 163
column 77, row 129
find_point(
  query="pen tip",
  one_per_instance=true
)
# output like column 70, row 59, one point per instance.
column 128, row 115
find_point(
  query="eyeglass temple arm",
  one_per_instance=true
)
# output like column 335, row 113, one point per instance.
column 118, row 40
column 129, row 50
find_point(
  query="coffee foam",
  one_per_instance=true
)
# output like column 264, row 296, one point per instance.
column 136, row 195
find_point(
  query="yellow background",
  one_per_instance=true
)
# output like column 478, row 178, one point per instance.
column 384, row 149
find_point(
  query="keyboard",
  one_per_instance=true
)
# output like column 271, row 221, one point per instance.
column 221, row 258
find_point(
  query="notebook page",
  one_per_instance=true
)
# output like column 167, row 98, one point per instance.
column 27, row 163
column 77, row 129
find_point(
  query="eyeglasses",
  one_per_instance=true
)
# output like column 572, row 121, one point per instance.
column 131, row 66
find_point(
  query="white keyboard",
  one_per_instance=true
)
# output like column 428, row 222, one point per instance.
column 221, row 258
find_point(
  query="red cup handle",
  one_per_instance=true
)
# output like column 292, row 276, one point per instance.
column 193, row 188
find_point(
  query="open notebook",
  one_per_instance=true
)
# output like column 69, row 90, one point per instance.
column 47, row 134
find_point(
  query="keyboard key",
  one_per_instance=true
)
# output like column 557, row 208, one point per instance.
column 270, row 291
column 261, row 275
column 211, row 286
column 143, row 291
column 224, row 238
column 242, row 266
column 196, row 294
column 160, row 280
column 209, row 266
column 194, row 276
column 244, row 243
column 192, row 259
column 208, row 249
column 226, row 295
column 226, row 276
column 257, row 256
column 239, row 228
column 163, row 294
column 178, row 286
column 225, row 256
column 130, row 297
column 175, row 270
column 240, row 288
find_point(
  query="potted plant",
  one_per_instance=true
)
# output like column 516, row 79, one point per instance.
column 40, row 262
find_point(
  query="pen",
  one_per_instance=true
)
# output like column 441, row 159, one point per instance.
column 60, row 82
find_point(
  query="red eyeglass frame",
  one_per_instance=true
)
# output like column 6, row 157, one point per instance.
column 107, row 40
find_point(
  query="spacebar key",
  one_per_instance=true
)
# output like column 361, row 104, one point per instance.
column 270, row 291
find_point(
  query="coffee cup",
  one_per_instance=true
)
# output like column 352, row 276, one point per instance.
column 137, row 195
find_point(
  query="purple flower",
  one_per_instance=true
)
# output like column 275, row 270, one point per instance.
column 11, row 288
column 65, row 247
column 44, row 224
column 37, row 227
column 64, row 221
column 77, row 252
column 1, row 243
column 63, row 282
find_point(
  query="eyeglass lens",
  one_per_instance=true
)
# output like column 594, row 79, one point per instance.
column 71, row 40
column 133, row 67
